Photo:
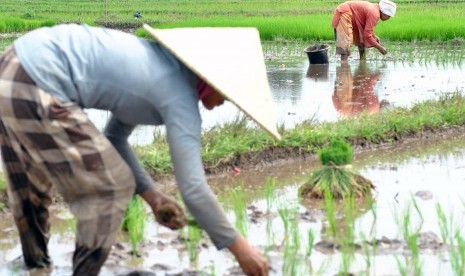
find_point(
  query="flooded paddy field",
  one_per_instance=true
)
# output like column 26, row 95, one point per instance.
column 301, row 91
column 415, row 184
column 411, row 227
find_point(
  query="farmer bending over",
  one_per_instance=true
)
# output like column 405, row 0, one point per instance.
column 354, row 23
column 51, row 74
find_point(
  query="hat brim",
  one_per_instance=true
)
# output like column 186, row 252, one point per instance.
column 228, row 59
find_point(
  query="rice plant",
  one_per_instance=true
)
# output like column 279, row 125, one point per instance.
column 330, row 211
column 284, row 214
column 192, row 237
column 445, row 226
column 451, row 234
column 291, row 240
column 336, row 176
column 310, row 242
column 270, row 189
column 457, row 254
column 410, row 230
column 134, row 222
column 369, row 245
column 348, row 239
column 369, row 252
column 401, row 266
column 237, row 200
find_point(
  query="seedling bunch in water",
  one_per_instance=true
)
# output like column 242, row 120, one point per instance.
column 336, row 176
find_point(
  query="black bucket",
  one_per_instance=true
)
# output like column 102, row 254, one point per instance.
column 318, row 54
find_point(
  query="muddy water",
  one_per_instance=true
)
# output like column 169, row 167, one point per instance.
column 435, row 171
column 328, row 92
column 426, row 173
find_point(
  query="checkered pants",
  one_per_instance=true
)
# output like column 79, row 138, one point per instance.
column 45, row 142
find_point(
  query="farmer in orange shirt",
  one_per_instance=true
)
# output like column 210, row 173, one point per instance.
column 353, row 23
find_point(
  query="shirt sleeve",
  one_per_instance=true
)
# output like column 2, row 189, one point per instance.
column 183, row 126
column 369, row 39
column 118, row 132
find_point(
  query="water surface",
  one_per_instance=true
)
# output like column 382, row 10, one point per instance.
column 436, row 167
column 328, row 92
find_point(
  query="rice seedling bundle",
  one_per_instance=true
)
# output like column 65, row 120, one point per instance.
column 336, row 176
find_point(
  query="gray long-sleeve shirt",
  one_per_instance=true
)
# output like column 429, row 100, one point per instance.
column 140, row 82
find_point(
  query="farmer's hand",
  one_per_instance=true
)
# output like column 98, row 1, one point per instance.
column 377, row 39
column 252, row 261
column 166, row 210
column 382, row 50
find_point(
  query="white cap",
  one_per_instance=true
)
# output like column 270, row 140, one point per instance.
column 231, row 61
column 387, row 7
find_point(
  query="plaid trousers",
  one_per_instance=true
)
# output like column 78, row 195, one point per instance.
column 45, row 142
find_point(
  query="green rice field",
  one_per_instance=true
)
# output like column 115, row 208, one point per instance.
column 288, row 19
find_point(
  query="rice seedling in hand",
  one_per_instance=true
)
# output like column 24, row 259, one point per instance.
column 170, row 213
column 336, row 176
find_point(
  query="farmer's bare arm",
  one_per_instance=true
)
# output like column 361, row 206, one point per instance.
column 381, row 49
column 252, row 261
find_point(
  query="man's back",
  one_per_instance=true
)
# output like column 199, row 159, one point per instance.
column 101, row 68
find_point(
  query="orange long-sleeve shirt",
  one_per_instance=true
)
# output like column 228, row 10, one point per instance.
column 365, row 16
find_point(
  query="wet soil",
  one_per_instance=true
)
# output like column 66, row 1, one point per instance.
column 163, row 243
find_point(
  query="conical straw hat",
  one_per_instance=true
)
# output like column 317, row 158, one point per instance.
column 231, row 61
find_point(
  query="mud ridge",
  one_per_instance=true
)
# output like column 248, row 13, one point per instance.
column 275, row 155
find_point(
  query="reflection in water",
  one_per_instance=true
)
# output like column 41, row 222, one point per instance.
column 318, row 72
column 301, row 92
column 286, row 84
column 354, row 93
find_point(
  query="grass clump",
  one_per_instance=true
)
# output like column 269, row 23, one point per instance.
column 336, row 176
